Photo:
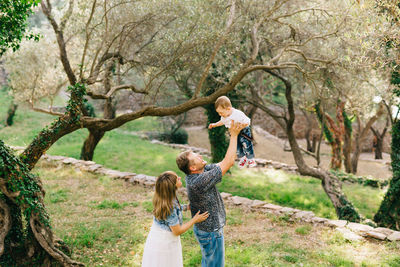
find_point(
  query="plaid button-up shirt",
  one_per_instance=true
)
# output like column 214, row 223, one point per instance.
column 204, row 196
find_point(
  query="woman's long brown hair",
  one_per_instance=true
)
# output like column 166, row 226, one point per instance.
column 164, row 195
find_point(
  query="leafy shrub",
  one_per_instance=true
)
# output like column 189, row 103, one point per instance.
column 90, row 109
column 179, row 137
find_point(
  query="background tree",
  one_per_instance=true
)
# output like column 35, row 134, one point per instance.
column 378, row 139
column 388, row 213
column 13, row 23
column 313, row 63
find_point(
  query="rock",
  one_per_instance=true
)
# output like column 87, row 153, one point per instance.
column 288, row 211
column 18, row 147
column 225, row 195
column 140, row 178
column 93, row 168
column 133, row 180
column 395, row 236
column 114, row 173
column 336, row 223
column 358, row 227
column 57, row 157
column 277, row 166
column 128, row 175
column 151, row 179
column 79, row 164
column 319, row 220
column 376, row 235
column 272, row 207
column 349, row 235
column 292, row 169
column 257, row 203
column 149, row 183
column 241, row 200
column 385, row 231
column 304, row 215
column 69, row 161
column 260, row 162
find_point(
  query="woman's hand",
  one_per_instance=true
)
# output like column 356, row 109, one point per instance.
column 210, row 126
column 180, row 229
column 200, row 217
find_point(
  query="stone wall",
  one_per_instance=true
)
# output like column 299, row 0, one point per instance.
column 349, row 230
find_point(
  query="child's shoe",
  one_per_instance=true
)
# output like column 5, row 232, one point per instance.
column 242, row 162
column 251, row 163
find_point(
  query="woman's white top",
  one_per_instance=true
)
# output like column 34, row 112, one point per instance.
column 236, row 116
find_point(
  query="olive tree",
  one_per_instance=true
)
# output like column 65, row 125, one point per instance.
column 22, row 192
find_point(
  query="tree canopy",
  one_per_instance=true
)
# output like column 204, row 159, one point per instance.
column 13, row 23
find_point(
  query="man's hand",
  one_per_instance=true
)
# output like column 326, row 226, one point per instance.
column 236, row 127
column 230, row 155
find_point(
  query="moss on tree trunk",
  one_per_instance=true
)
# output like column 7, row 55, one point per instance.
column 388, row 214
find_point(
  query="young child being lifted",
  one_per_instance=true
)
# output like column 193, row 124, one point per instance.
column 245, row 151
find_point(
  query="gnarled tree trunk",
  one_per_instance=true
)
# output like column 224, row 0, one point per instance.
column 378, row 146
column 331, row 184
column 311, row 139
column 22, row 194
column 360, row 136
column 12, row 109
column 334, row 132
column 347, row 144
column 95, row 135
column 388, row 214
column 90, row 144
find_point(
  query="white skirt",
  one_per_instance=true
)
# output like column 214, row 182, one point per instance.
column 162, row 249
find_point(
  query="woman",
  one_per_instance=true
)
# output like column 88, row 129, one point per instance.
column 163, row 244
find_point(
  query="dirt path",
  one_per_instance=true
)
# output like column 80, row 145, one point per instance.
column 271, row 147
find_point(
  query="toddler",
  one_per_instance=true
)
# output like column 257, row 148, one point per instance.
column 245, row 151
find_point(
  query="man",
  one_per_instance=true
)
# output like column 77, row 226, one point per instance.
column 203, row 195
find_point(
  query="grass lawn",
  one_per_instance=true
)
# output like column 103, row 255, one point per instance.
column 106, row 222
column 122, row 151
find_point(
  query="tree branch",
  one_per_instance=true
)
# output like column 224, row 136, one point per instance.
column 87, row 39
column 300, row 11
column 6, row 224
column 61, row 43
column 216, row 48
column 67, row 15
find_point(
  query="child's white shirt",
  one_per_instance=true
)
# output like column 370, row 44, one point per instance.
column 236, row 116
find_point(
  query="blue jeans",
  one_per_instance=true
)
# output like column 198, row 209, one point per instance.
column 212, row 247
column 244, row 145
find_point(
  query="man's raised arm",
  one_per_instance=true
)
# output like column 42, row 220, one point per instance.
column 230, row 155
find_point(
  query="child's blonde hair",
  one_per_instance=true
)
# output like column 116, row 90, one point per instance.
column 223, row 102
column 164, row 195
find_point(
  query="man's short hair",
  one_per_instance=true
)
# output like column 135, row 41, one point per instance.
column 223, row 102
column 183, row 161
